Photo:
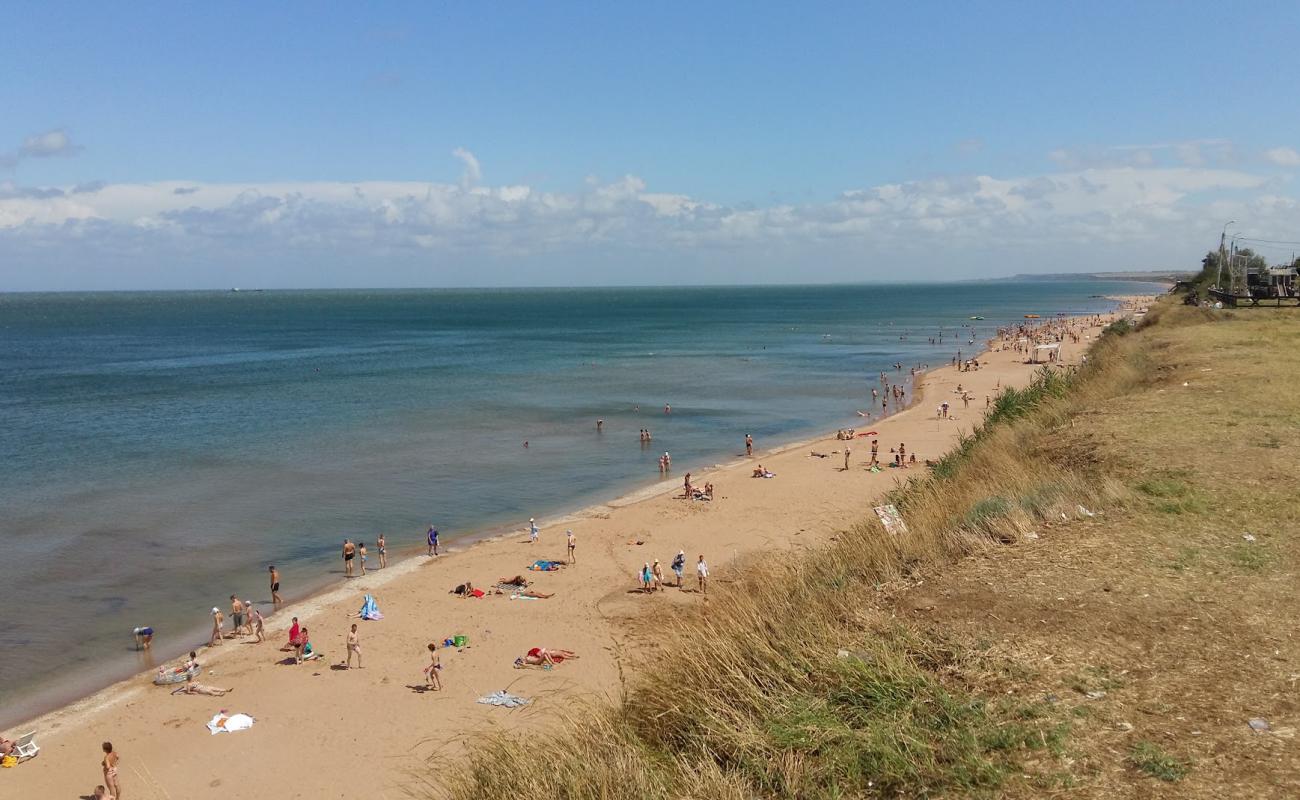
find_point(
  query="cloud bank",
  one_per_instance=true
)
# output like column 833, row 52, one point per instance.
column 173, row 233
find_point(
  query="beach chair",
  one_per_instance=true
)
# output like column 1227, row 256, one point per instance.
column 26, row 747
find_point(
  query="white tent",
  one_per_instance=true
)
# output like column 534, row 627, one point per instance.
column 1049, row 352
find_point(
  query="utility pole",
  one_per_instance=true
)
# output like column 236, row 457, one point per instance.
column 1218, row 278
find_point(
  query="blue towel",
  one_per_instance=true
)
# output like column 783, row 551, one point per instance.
column 369, row 610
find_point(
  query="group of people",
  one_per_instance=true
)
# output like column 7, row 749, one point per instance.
column 651, row 576
column 245, row 619
column 693, row 492
column 357, row 552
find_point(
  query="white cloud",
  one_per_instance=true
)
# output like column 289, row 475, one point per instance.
column 47, row 144
column 473, row 173
column 54, row 142
column 431, row 230
column 1283, row 157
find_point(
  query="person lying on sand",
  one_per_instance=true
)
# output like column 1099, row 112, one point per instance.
column 467, row 589
column 534, row 594
column 541, row 656
column 101, row 793
column 7, row 746
column 518, row 580
column 194, row 687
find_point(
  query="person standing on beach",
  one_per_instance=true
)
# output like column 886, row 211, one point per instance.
column 276, row 600
column 349, row 553
column 383, row 551
column 573, row 542
column 354, row 646
column 679, row 566
column 875, row 451
column 846, row 458
column 668, row 461
column 217, row 619
column 361, row 551
column 657, row 572
column 433, row 540
column 702, row 574
column 533, row 532
column 902, row 455
column 110, row 769
column 258, row 623
column 749, row 445
column 236, row 615
column 432, row 678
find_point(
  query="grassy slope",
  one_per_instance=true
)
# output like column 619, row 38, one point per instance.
column 958, row 659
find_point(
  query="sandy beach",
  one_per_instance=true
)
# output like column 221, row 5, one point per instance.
column 322, row 731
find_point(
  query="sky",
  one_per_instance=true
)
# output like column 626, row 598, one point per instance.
column 213, row 145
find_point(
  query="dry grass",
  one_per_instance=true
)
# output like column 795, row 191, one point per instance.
column 799, row 681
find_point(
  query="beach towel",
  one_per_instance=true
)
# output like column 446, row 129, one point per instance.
column 220, row 723
column 546, row 566
column 369, row 610
column 504, row 700
column 523, row 597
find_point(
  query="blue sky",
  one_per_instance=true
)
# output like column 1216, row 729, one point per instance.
column 733, row 142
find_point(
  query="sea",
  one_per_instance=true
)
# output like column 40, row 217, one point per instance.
column 158, row 450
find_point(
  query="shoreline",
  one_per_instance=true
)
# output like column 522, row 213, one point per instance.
column 807, row 495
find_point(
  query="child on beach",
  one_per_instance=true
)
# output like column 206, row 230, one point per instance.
column 110, row 769
column 645, row 577
column 432, row 677
column 217, row 620
column 361, row 551
column 433, row 540
column 657, row 572
column 258, row 626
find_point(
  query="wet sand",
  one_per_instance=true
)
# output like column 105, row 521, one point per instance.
column 373, row 732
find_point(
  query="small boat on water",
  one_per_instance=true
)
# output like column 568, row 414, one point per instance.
column 1031, row 316
column 977, row 318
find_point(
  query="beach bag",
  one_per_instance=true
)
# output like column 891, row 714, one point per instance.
column 9, row 762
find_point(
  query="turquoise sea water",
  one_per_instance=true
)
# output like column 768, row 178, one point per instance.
column 158, row 450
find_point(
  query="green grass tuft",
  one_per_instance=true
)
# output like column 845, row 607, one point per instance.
column 1149, row 758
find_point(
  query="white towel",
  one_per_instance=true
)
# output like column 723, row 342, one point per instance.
column 234, row 722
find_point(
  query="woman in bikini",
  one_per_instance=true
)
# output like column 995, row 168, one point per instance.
column 541, row 656
column 110, row 769
column 432, row 678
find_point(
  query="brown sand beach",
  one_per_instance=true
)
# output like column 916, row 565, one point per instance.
column 322, row 730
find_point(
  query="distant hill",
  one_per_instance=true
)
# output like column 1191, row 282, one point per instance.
column 1152, row 276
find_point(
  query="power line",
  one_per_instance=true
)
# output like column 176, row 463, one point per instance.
column 1268, row 241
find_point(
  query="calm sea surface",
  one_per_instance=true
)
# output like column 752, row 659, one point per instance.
column 158, row 450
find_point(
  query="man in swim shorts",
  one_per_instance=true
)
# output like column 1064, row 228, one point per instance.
column 236, row 614
column 349, row 553
column 143, row 638
column 275, row 585
column 433, row 540
column 573, row 542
